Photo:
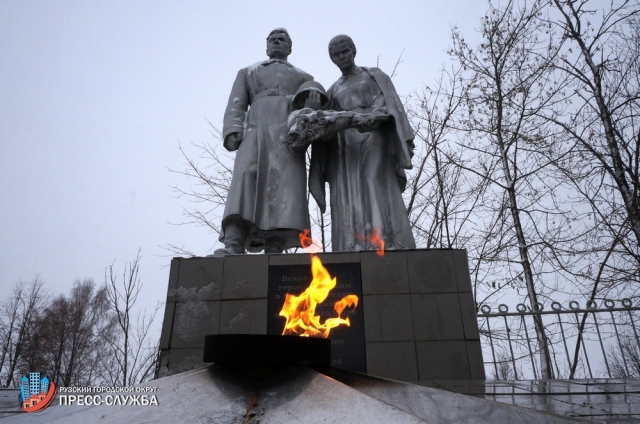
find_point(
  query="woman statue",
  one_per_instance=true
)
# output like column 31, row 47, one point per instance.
column 364, row 165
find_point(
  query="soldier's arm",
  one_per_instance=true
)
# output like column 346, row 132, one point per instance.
column 235, row 113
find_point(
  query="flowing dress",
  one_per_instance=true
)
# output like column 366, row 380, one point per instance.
column 268, row 186
column 363, row 170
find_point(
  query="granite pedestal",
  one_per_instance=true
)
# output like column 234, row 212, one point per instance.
column 418, row 311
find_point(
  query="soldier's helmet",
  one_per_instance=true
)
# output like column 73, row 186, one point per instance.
column 303, row 93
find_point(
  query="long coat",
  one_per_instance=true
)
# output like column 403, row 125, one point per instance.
column 365, row 171
column 268, row 187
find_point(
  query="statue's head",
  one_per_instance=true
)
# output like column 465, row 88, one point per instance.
column 341, row 42
column 342, row 51
column 279, row 44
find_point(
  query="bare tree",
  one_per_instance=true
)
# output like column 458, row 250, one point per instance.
column 624, row 359
column 18, row 314
column 504, row 369
column 440, row 198
column 606, row 80
column 511, row 80
column 133, row 351
column 601, row 62
column 212, row 180
column 65, row 341
column 65, row 337
column 444, row 200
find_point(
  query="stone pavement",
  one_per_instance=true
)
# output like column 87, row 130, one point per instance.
column 219, row 394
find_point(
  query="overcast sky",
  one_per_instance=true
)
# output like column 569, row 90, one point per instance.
column 96, row 95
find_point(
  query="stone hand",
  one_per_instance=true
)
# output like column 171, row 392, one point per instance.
column 313, row 101
column 232, row 141
column 370, row 123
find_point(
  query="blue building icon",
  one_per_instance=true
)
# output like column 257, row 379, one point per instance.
column 36, row 393
column 24, row 388
column 34, row 383
column 44, row 385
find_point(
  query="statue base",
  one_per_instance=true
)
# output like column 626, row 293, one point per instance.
column 415, row 320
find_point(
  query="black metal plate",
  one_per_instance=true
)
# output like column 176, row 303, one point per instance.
column 264, row 349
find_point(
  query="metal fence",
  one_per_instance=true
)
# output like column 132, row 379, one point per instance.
column 584, row 342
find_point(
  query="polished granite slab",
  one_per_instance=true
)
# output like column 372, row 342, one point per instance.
column 419, row 313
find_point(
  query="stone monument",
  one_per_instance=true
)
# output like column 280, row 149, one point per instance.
column 413, row 318
column 364, row 165
column 266, row 206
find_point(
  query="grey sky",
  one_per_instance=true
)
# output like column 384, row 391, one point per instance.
column 95, row 95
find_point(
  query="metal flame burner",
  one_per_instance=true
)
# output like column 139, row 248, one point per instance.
column 263, row 349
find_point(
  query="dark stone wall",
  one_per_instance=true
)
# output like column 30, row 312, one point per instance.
column 419, row 314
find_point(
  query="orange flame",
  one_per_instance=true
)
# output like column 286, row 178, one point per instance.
column 307, row 243
column 376, row 241
column 300, row 311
